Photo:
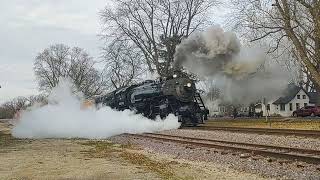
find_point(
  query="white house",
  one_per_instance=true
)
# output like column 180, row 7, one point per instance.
column 294, row 98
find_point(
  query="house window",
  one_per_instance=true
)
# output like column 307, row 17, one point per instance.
column 298, row 96
column 297, row 105
column 282, row 107
column 303, row 96
column 290, row 106
column 305, row 104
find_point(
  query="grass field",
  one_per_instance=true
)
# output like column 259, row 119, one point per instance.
column 281, row 123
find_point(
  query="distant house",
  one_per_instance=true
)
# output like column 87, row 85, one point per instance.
column 227, row 109
column 294, row 98
column 258, row 107
column 224, row 109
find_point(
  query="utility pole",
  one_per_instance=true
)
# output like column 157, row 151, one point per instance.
column 266, row 111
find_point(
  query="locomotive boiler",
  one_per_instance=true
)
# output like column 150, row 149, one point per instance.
column 172, row 95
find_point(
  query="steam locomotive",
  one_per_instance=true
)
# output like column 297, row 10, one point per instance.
column 172, row 95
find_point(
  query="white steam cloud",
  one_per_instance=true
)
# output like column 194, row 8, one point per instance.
column 241, row 73
column 63, row 118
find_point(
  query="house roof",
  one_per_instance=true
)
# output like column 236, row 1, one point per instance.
column 290, row 92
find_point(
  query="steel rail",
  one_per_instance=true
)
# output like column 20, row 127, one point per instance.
column 296, row 154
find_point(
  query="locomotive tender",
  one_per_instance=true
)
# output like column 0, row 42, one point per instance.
column 174, row 95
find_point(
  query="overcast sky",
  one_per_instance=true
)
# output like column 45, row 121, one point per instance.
column 29, row 26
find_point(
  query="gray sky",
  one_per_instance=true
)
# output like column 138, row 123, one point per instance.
column 27, row 27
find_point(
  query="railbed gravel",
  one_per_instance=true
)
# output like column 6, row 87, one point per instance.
column 263, row 166
column 276, row 140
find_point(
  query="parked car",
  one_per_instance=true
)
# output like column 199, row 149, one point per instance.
column 307, row 111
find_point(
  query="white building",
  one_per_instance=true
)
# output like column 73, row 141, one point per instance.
column 294, row 98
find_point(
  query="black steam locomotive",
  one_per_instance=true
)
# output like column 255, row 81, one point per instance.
column 173, row 95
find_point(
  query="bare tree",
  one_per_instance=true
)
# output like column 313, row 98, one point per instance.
column 289, row 26
column 17, row 103
column 8, row 109
column 38, row 99
column 74, row 63
column 155, row 27
column 123, row 64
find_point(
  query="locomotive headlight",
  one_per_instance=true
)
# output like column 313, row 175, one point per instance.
column 174, row 76
column 189, row 84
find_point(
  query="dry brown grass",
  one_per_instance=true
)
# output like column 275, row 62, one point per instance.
column 107, row 149
column 7, row 142
column 281, row 123
column 102, row 149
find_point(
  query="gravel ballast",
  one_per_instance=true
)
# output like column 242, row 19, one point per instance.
column 265, row 167
column 275, row 140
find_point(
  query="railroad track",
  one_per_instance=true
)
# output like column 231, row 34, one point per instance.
column 293, row 154
column 293, row 132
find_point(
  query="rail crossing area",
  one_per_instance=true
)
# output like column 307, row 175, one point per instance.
column 271, row 152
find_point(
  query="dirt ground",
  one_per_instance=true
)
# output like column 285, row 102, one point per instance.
column 87, row 159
